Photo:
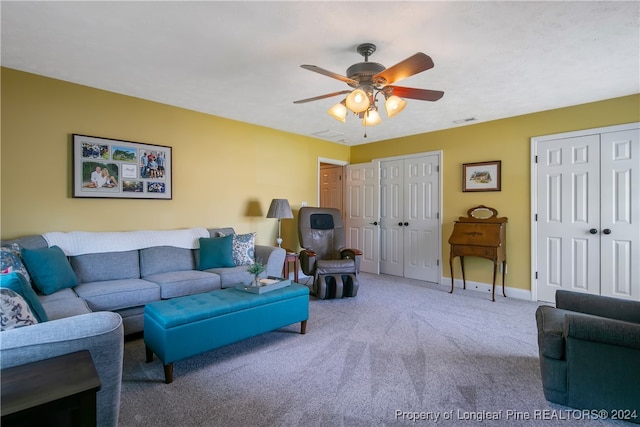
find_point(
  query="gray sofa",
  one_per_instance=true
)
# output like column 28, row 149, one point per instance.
column 101, row 333
column 108, row 303
column 124, row 281
column 589, row 351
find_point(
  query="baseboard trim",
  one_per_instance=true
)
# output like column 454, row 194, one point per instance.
column 486, row 288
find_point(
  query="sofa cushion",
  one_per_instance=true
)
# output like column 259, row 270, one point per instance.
column 49, row 269
column 230, row 277
column 216, row 252
column 99, row 267
column 14, row 311
column 17, row 283
column 66, row 307
column 179, row 283
column 11, row 260
column 244, row 249
column 112, row 295
column 164, row 259
column 61, row 294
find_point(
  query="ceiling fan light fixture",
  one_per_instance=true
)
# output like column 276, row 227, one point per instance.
column 371, row 118
column 357, row 101
column 393, row 105
column 339, row 111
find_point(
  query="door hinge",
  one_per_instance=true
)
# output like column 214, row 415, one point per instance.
column 536, row 217
column 438, row 168
column 536, row 159
column 536, row 275
column 437, row 262
column 437, row 215
column 339, row 177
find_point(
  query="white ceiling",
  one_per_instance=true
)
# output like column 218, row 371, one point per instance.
column 241, row 60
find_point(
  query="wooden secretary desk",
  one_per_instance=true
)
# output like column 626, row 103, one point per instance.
column 481, row 234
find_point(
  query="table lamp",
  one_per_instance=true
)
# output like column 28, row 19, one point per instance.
column 279, row 209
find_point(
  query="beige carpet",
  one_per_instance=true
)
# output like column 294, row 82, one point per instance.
column 402, row 349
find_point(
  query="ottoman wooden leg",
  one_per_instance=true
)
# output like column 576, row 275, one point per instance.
column 168, row 373
column 303, row 327
column 149, row 354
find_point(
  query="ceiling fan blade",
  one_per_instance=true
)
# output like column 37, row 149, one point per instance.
column 412, row 93
column 328, row 95
column 331, row 74
column 403, row 69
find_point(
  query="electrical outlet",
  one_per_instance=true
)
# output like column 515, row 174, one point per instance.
column 303, row 204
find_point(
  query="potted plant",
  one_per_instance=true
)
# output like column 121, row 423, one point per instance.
column 256, row 269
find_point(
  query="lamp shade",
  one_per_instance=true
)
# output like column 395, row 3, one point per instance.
column 357, row 101
column 279, row 209
column 371, row 118
column 339, row 111
column 394, row 105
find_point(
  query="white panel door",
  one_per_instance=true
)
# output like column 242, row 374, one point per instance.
column 568, row 216
column 421, row 224
column 363, row 213
column 392, row 217
column 620, row 214
column 409, row 212
column 588, row 209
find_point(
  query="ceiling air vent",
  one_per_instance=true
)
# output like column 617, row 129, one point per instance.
column 462, row 121
column 328, row 134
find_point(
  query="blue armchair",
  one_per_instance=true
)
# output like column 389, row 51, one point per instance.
column 589, row 349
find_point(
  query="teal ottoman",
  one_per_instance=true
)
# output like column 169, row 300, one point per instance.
column 182, row 327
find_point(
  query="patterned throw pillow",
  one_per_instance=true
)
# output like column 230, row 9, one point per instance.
column 14, row 311
column 244, row 249
column 11, row 261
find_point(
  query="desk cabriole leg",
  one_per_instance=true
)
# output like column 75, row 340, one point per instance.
column 451, row 269
column 504, row 269
column 464, row 279
column 493, row 290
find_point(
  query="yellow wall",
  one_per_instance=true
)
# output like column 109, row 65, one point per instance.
column 222, row 167
column 507, row 140
column 219, row 166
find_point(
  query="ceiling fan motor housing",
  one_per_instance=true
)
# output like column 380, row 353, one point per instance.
column 363, row 73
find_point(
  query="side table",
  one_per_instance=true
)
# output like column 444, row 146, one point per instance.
column 295, row 259
column 61, row 390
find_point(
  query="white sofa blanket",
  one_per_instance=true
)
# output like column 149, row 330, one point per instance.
column 84, row 242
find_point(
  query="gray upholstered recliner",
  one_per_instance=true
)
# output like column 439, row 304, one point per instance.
column 324, row 256
column 589, row 349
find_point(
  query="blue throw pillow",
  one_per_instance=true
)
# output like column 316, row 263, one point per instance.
column 49, row 269
column 216, row 252
column 17, row 283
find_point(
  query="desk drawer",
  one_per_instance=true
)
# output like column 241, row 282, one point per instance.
column 479, row 251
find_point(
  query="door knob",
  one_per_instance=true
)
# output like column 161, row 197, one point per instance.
column 406, row 224
column 606, row 231
column 400, row 224
column 374, row 223
column 593, row 231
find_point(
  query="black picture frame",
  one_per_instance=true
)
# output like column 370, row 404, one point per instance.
column 114, row 168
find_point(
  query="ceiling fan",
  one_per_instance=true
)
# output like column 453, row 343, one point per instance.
column 369, row 79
